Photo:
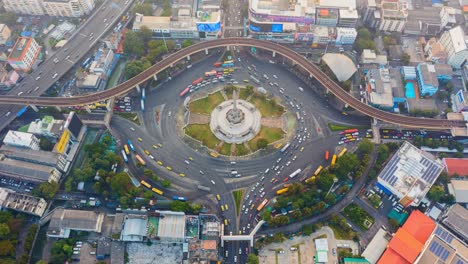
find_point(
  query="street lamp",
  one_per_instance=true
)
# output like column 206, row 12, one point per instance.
column 335, row 180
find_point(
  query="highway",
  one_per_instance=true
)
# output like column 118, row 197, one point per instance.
column 41, row 79
column 326, row 81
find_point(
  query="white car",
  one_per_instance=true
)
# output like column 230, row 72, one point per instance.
column 213, row 182
column 274, row 76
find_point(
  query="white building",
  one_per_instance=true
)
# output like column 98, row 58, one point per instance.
column 410, row 174
column 24, row 54
column 454, row 43
column 102, row 61
column 379, row 88
column 345, row 36
column 21, row 139
column 134, row 228
column 27, row 7
column 393, row 15
column 63, row 221
column 22, row 202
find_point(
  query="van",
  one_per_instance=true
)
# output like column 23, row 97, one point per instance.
column 20, row 93
column 234, row 172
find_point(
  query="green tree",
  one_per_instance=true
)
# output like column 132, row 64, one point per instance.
column 186, row 43
column 46, row 190
column 405, row 58
column 144, row 9
column 41, row 262
column 135, row 67
column 4, row 230
column 330, row 199
column 307, row 229
column 145, row 34
column 119, row 183
column 393, row 224
column 365, row 147
column 6, row 248
column 179, row 206
column 166, row 183
column 262, row 143
column 133, row 44
column 436, row 193
column 46, row 144
column 252, row 259
column 279, row 237
column 382, row 153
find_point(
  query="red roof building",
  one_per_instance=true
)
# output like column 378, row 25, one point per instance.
column 409, row 240
column 456, row 166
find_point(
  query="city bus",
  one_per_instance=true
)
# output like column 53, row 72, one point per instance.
column 197, row 81
column 311, row 179
column 147, row 185
column 295, row 173
column 281, row 191
column 342, row 153
column 229, row 61
column 185, row 91
column 124, row 156
column 327, row 154
column 318, row 170
column 254, row 79
column 131, row 145
column 126, row 149
column 157, row 191
column 285, row 147
column 260, row 207
column 333, row 160
column 210, row 73
column 179, row 198
column 142, row 162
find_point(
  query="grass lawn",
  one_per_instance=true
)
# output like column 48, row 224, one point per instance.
column 238, row 198
column 130, row 116
column 268, row 108
column 203, row 133
column 340, row 233
column 207, row 104
column 241, row 150
column 271, row 134
column 225, row 149
column 338, row 127
column 358, row 216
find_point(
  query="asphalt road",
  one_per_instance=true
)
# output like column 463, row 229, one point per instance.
column 84, row 39
column 175, row 151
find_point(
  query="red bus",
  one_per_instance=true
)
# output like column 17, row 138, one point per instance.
column 327, row 154
column 185, row 91
column 197, row 81
column 351, row 130
column 217, row 64
column 210, row 73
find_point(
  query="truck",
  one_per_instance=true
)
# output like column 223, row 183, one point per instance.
column 204, row 188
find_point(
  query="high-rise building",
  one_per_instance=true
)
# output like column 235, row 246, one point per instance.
column 68, row 8
column 27, row 7
column 24, row 54
column 454, row 43
column 393, row 15
column 5, row 33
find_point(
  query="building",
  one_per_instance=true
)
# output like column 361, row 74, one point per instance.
column 29, row 172
column 22, row 202
column 393, row 15
column 47, row 127
column 171, row 226
column 21, row 140
column 444, row 248
column 376, row 246
column 409, row 174
column 409, row 240
column 456, row 166
column 435, row 51
column 423, row 21
column 60, row 31
column 5, row 34
column 102, row 61
column 134, row 228
column 448, row 17
column 68, row 8
column 409, row 72
column 321, row 249
column 429, row 75
column 379, row 88
column 190, row 20
column 63, row 221
column 7, row 78
column 24, row 54
column 459, row 190
column 345, row 36
column 341, row 65
column 355, row 261
column 27, row 7
column 460, row 101
column 454, row 43
column 322, row 35
column 370, row 57
column 40, row 157
column 455, row 219
column 90, row 81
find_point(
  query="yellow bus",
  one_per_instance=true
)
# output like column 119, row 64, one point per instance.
column 218, row 197
column 281, row 191
column 147, row 185
column 214, row 154
column 311, row 179
column 126, row 149
column 318, row 170
column 333, row 160
column 342, row 153
column 231, row 70
column 157, row 191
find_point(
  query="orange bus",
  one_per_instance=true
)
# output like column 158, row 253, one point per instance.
column 327, row 154
column 142, row 162
column 260, row 207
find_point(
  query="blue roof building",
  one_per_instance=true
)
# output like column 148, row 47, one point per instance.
column 429, row 77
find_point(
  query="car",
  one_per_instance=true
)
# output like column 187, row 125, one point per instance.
column 140, row 139
column 37, row 78
column 56, row 60
column 168, row 168
column 182, row 174
column 55, row 75
column 334, row 251
column 302, row 149
column 272, row 179
column 222, row 208
column 288, row 163
column 218, row 197
column 151, row 157
column 187, row 162
column 147, row 152
column 274, row 76
column 155, row 147
column 202, row 173
column 20, row 93
column 190, row 158
column 240, row 250
column 132, row 129
column 160, row 145
column 226, row 206
column 213, row 182
column 160, row 162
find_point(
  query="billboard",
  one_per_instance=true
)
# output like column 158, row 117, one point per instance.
column 209, row 27
column 264, row 27
column 73, row 124
column 63, row 142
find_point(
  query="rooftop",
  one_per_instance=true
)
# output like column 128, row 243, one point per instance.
column 380, row 88
column 421, row 104
column 342, row 66
column 428, row 74
column 22, row 170
column 64, row 219
column 455, row 220
column 135, row 228
column 21, row 45
column 458, row 38
column 156, row 22
column 409, row 240
column 376, row 246
column 171, row 224
column 22, row 202
column 459, row 189
column 456, row 166
column 18, row 138
column 410, row 174
column 47, row 158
